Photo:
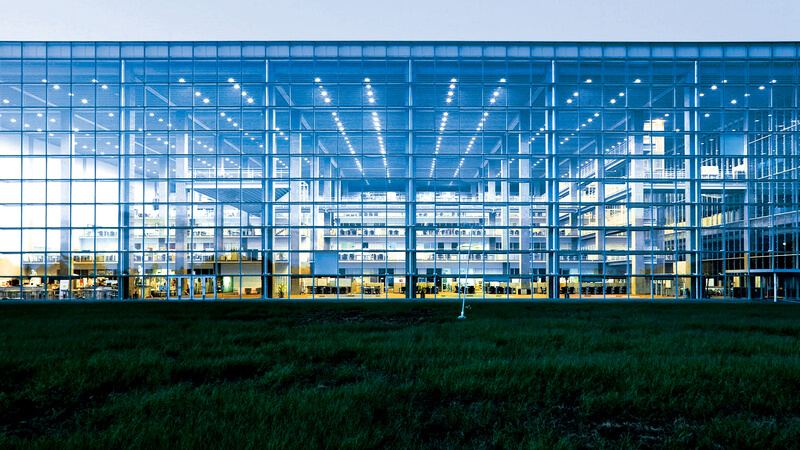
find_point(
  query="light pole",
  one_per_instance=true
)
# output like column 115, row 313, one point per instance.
column 466, row 274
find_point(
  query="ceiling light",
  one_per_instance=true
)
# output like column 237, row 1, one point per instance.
column 761, row 88
column 613, row 100
column 502, row 80
column 181, row 80
column 205, row 100
column 574, row 94
column 56, row 87
column 638, row 80
column 588, row 80
column 622, row 94
column 714, row 87
column 366, row 80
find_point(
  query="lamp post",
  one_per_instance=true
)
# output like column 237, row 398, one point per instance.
column 463, row 295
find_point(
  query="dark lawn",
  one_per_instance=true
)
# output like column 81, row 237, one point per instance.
column 305, row 375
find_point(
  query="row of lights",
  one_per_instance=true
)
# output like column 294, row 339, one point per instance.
column 443, row 124
column 340, row 126
column 713, row 88
column 478, row 129
column 376, row 123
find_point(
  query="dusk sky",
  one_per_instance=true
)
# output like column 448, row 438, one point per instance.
column 501, row 20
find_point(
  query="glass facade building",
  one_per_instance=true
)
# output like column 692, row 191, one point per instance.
column 216, row 170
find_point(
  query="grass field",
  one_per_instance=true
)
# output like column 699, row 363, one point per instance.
column 305, row 375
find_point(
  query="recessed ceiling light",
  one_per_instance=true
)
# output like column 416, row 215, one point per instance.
column 181, row 80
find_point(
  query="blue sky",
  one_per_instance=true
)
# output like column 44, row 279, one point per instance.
column 514, row 20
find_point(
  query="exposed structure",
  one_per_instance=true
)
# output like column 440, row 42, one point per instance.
column 400, row 170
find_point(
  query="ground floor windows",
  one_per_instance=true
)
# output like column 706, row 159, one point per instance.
column 210, row 286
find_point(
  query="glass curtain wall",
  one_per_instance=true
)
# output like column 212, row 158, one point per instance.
column 371, row 170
